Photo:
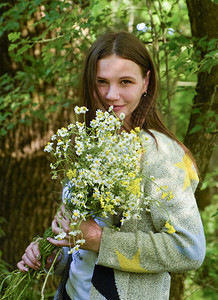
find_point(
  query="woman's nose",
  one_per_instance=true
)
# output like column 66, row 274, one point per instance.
column 112, row 93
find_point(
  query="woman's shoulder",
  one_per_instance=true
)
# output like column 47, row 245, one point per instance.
column 159, row 143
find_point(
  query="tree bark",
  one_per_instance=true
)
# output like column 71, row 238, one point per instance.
column 204, row 22
column 29, row 198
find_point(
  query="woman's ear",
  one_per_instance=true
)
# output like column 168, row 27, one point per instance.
column 146, row 80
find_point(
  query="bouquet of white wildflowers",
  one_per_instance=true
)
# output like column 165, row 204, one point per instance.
column 101, row 170
column 100, row 167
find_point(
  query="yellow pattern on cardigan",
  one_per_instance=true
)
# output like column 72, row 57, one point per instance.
column 190, row 173
column 131, row 265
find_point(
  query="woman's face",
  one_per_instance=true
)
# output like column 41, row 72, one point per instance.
column 121, row 84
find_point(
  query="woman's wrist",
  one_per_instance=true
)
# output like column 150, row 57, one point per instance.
column 92, row 235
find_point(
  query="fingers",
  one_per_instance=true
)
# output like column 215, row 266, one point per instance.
column 60, row 222
column 35, row 250
column 63, row 216
column 55, row 227
column 30, row 258
column 22, row 267
column 64, row 211
column 62, row 243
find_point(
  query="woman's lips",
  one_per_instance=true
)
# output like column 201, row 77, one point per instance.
column 117, row 107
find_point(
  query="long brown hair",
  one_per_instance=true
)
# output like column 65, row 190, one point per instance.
column 124, row 45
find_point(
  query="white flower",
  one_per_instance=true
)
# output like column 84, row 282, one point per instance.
column 60, row 142
column 84, row 109
column 79, row 151
column 49, row 148
column 70, row 126
column 52, row 166
column 80, row 110
column 80, row 126
column 61, row 235
column 96, row 163
column 110, row 108
column 53, row 138
column 75, row 214
column 77, row 110
column 99, row 115
column 73, row 224
column 58, row 152
column 79, row 144
column 65, row 147
column 75, row 248
column 111, row 127
column 122, row 116
column 106, row 114
column 80, row 196
column 89, row 157
column 93, row 123
column 73, row 233
column 62, row 132
column 81, row 242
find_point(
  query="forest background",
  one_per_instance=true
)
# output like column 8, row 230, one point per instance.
column 42, row 47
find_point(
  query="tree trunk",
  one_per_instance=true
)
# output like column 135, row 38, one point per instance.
column 204, row 22
column 28, row 195
column 203, row 18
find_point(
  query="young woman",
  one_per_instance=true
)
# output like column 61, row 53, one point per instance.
column 135, row 262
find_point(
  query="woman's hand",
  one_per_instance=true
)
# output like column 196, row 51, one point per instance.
column 91, row 232
column 31, row 258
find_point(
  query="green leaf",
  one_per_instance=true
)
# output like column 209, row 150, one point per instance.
column 200, row 119
column 3, row 131
column 3, row 4
column 195, row 111
column 12, row 47
column 216, row 213
column 196, row 128
column 23, row 49
column 13, row 36
column 183, row 40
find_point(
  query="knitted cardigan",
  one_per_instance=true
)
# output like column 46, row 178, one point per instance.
column 135, row 262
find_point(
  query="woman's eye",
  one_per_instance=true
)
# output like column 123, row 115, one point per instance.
column 126, row 81
column 101, row 81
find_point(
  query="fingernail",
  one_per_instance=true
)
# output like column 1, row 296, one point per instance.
column 26, row 269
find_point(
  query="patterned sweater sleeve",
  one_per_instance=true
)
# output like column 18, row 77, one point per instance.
column 147, row 246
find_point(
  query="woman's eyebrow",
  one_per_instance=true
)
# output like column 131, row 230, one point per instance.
column 128, row 76
column 122, row 77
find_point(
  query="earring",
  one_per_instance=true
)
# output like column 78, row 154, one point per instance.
column 144, row 94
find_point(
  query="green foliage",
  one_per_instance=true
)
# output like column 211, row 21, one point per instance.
column 46, row 50
column 203, row 283
column 210, row 180
column 48, row 40
column 210, row 58
column 206, row 120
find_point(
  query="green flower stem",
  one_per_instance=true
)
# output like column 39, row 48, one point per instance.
column 49, row 272
column 20, row 284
